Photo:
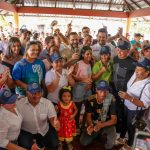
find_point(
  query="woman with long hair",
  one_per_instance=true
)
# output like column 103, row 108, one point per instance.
column 12, row 54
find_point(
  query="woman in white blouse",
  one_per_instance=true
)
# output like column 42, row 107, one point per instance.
column 10, row 121
column 137, row 95
column 56, row 78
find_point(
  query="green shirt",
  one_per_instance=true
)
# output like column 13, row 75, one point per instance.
column 106, row 75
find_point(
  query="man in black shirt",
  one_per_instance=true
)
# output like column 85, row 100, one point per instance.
column 101, row 116
column 123, row 69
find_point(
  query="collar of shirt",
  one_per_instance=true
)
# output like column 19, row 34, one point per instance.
column 27, row 102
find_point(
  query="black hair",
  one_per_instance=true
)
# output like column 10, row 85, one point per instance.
column 103, row 30
column 72, row 33
column 9, row 52
column 83, row 51
column 48, row 39
column 28, row 46
column 62, row 91
column 85, row 28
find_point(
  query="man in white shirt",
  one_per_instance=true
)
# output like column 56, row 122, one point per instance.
column 102, row 41
column 36, row 112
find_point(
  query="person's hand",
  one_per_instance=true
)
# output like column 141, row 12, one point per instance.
column 5, row 75
column 57, row 74
column 124, row 95
column 87, row 80
column 75, row 56
column 56, row 124
column 70, row 70
column 57, row 31
column 103, row 69
column 98, row 126
column 90, row 129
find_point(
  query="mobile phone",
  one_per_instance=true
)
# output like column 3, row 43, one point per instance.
column 141, row 141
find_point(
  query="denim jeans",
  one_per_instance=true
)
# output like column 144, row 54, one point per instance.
column 50, row 140
column 86, row 139
column 131, row 130
column 80, row 93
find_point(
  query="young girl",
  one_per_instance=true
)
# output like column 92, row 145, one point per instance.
column 67, row 111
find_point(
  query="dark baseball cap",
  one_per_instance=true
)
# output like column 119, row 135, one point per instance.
column 145, row 63
column 102, row 85
column 34, row 87
column 124, row 45
column 105, row 50
column 138, row 34
column 54, row 57
column 146, row 47
column 7, row 97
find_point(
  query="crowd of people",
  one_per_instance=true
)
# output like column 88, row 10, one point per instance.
column 54, row 87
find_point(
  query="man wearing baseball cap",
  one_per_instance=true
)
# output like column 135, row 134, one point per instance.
column 123, row 69
column 101, row 116
column 146, row 51
column 10, row 121
column 36, row 112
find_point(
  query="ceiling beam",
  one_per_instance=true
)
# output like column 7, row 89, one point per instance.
column 147, row 2
column 135, row 3
column 92, row 1
column 77, row 12
column 110, row 3
column 89, row 2
column 7, row 6
column 140, row 13
column 129, row 6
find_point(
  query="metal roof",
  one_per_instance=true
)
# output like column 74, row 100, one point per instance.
column 114, row 5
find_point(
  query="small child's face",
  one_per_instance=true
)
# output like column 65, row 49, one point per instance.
column 66, row 97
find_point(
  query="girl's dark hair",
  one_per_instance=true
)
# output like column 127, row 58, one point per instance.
column 9, row 52
column 62, row 91
column 28, row 46
column 83, row 51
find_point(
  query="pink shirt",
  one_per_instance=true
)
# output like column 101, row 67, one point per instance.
column 84, row 70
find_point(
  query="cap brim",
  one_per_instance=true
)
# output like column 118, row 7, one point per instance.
column 12, row 99
column 140, row 65
column 102, row 89
column 57, row 59
column 122, row 48
column 35, row 91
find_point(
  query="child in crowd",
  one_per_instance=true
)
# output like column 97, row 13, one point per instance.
column 67, row 111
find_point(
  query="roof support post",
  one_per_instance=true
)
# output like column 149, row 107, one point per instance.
column 16, row 19
column 128, row 25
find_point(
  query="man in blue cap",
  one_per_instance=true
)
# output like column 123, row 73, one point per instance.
column 10, row 121
column 101, row 116
column 36, row 112
column 123, row 69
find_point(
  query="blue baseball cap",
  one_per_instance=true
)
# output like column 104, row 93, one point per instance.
column 7, row 97
column 54, row 57
column 34, row 87
column 105, row 50
column 145, row 63
column 102, row 85
column 124, row 45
